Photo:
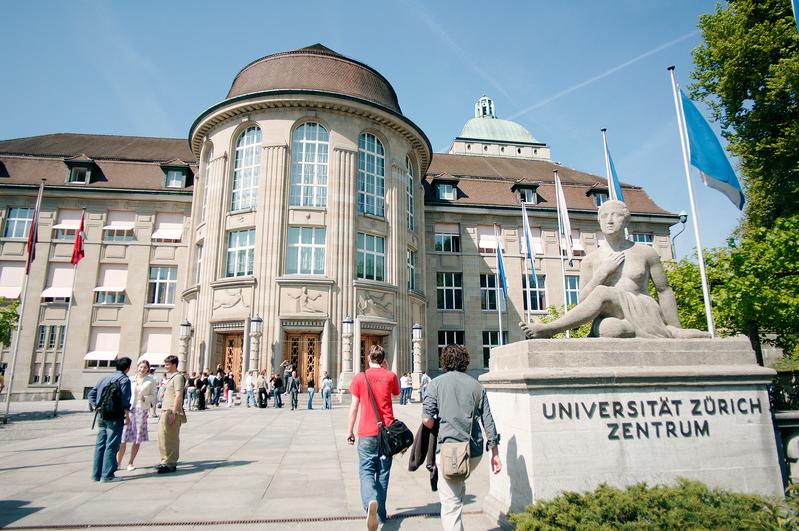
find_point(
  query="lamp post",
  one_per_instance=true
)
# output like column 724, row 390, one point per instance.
column 256, row 329
column 185, row 335
column 683, row 216
column 346, row 355
column 416, row 340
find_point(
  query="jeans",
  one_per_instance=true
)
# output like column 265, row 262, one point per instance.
column 250, row 397
column 405, row 395
column 192, row 397
column 374, row 472
column 278, row 398
column 215, row 398
column 310, row 397
column 326, row 398
column 294, row 399
column 109, row 435
column 262, row 397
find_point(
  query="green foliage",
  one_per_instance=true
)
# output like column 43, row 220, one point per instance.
column 747, row 72
column 687, row 505
column 8, row 320
column 554, row 313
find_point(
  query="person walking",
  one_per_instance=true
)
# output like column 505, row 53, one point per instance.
column 230, row 388
column 172, row 416
column 374, row 469
column 249, row 386
column 294, row 389
column 277, row 391
column 202, row 390
column 191, row 391
column 424, row 381
column 110, row 397
column 219, row 384
column 458, row 401
column 327, row 389
column 288, row 368
column 142, row 396
column 406, row 387
column 262, row 396
column 310, row 387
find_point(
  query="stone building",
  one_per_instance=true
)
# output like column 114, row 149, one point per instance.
column 306, row 219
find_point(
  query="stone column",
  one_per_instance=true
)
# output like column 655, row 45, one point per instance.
column 255, row 349
column 417, row 364
column 347, row 373
column 183, row 353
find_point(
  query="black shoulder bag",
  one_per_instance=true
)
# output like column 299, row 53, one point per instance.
column 393, row 439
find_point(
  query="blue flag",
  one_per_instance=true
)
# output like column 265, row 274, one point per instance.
column 708, row 156
column 501, row 266
column 615, row 191
column 793, row 5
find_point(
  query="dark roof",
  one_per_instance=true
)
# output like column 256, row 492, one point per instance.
column 315, row 68
column 488, row 181
column 97, row 147
column 123, row 162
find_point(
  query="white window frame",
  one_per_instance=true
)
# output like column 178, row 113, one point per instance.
column 206, row 185
column 198, row 265
column 84, row 172
column 161, row 285
column 449, row 337
column 646, row 238
column 309, row 165
column 528, row 196
column 600, row 198
column 307, row 244
column 488, row 293
column 371, row 252
column 240, row 256
column 170, row 180
column 371, row 175
column 109, row 297
column 409, row 193
column 49, row 344
column 246, row 170
column 411, row 258
column 449, row 291
column 16, row 226
column 535, row 296
column 572, row 289
column 491, row 339
column 447, row 241
column 447, row 191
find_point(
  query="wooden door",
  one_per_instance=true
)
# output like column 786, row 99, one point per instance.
column 303, row 353
column 366, row 344
column 234, row 344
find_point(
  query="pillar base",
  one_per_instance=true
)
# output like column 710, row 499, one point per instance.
column 344, row 380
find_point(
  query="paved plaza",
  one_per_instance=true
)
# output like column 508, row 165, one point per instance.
column 240, row 468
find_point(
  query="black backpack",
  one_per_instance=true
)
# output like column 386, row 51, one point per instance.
column 110, row 405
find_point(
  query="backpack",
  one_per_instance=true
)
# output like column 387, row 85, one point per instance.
column 110, row 405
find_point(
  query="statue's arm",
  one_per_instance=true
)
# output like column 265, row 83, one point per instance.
column 588, row 278
column 666, row 298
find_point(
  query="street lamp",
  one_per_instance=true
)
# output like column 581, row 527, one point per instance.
column 347, row 326
column 185, row 329
column 416, row 340
column 683, row 217
column 416, row 332
column 256, row 325
column 185, row 334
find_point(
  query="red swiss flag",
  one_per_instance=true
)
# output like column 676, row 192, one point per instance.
column 77, row 249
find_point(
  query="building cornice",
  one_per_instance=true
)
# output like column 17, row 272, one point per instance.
column 434, row 207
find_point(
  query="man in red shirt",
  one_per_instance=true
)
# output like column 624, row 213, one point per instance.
column 374, row 468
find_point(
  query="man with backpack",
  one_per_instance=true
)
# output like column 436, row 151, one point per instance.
column 110, row 400
column 459, row 404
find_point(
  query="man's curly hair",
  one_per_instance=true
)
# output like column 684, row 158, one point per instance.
column 454, row 358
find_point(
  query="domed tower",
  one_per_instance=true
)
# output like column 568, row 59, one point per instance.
column 307, row 219
column 487, row 135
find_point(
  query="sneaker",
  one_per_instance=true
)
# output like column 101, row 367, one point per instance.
column 131, row 467
column 371, row 516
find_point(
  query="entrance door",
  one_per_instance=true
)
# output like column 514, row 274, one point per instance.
column 303, row 352
column 366, row 344
column 233, row 347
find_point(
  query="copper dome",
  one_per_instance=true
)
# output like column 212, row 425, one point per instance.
column 315, row 68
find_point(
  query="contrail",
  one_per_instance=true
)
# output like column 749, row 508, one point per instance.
column 603, row 75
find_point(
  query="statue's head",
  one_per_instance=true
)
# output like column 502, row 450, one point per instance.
column 613, row 216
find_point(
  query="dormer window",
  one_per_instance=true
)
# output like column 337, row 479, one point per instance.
column 600, row 196
column 527, row 193
column 79, row 170
column 447, row 192
column 175, row 172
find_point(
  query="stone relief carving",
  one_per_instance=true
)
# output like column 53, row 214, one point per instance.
column 304, row 301
column 230, row 298
column 375, row 304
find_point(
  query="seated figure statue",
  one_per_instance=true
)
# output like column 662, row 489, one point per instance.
column 614, row 293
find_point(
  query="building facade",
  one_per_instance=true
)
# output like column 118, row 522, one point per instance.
column 305, row 220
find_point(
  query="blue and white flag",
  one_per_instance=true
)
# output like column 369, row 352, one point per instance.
column 614, row 188
column 501, row 266
column 565, row 227
column 708, row 156
column 793, row 5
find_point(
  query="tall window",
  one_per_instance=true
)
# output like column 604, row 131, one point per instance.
column 409, row 180
column 309, row 166
column 119, row 226
column 371, row 175
column 49, row 344
column 449, row 337
column 162, row 285
column 246, row 168
column 18, row 223
column 572, row 289
column 306, row 251
column 487, row 239
column 411, row 270
column 198, row 268
column 537, row 293
column 447, row 238
column 488, row 293
column 491, row 339
column 206, row 183
column 449, row 291
column 371, row 257
column 643, row 237
column 240, row 253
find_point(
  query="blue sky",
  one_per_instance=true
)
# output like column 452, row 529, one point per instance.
column 563, row 70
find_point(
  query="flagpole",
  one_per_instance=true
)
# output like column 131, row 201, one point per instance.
column 17, row 334
column 528, row 242
column 66, row 325
column 611, row 188
column 700, row 254
column 560, row 251
column 498, row 288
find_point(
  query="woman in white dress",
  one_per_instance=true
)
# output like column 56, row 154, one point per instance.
column 142, row 396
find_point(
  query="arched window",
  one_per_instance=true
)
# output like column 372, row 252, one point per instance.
column 371, row 175
column 309, row 166
column 409, row 187
column 246, row 168
column 206, row 182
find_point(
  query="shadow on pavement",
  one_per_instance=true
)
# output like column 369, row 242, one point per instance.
column 193, row 467
column 13, row 510
column 24, row 416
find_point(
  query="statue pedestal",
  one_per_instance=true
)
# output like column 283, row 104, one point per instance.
column 575, row 413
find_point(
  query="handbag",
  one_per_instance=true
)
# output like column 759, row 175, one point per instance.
column 393, row 439
column 455, row 456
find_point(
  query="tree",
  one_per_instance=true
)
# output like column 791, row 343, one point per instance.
column 8, row 320
column 553, row 313
column 747, row 72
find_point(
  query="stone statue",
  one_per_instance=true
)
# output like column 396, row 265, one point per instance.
column 614, row 291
